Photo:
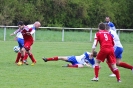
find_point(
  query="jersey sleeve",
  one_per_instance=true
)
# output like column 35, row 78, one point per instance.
column 32, row 32
column 112, row 26
column 15, row 32
column 95, row 41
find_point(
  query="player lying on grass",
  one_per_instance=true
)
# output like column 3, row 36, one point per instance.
column 118, row 49
column 76, row 61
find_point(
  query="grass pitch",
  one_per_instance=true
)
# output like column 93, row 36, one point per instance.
column 51, row 74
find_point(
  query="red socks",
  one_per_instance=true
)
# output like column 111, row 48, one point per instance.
column 32, row 58
column 116, row 72
column 26, row 56
column 74, row 66
column 52, row 59
column 18, row 57
column 96, row 70
column 125, row 65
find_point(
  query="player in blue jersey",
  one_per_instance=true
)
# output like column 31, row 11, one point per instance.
column 111, row 25
column 76, row 61
column 118, row 51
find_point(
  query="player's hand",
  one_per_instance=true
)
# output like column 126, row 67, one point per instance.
column 28, row 33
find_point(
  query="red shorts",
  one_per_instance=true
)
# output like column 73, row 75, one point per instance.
column 28, row 44
column 107, row 53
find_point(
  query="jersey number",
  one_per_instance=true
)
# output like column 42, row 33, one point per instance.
column 106, row 37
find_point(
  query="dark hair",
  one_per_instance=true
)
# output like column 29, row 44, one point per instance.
column 94, row 53
column 20, row 23
column 106, row 26
column 101, row 26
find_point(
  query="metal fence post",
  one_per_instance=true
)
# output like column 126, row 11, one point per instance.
column 34, row 36
column 4, row 32
column 63, row 35
column 119, row 32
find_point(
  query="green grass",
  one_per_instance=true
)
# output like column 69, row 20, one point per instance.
column 51, row 74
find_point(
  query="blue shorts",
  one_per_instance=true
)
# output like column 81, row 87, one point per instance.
column 20, row 42
column 72, row 60
column 118, row 52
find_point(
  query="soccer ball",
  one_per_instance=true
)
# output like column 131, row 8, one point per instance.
column 16, row 49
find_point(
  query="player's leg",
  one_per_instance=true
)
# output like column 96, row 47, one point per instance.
column 31, row 57
column 123, row 64
column 116, row 72
column 18, row 57
column 25, row 59
column 19, row 53
column 110, row 66
column 112, row 60
column 100, row 57
column 22, row 51
column 118, row 54
column 50, row 58
column 56, row 58
column 96, row 70
column 73, row 61
column 27, row 47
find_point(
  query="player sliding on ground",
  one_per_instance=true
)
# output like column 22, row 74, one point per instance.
column 76, row 61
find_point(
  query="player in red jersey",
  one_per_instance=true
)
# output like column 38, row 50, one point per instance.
column 106, row 51
column 28, row 39
column 20, row 40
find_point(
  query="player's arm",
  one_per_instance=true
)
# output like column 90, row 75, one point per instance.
column 87, row 64
column 112, row 26
column 15, row 32
column 31, row 32
column 94, row 43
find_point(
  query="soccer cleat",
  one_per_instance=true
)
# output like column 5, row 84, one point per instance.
column 112, row 75
column 26, row 63
column 33, row 63
column 19, row 63
column 94, row 79
column 45, row 59
column 119, row 81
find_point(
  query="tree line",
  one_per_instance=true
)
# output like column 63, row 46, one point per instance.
column 67, row 13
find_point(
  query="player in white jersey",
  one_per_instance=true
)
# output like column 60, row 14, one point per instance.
column 76, row 61
column 111, row 25
column 118, row 49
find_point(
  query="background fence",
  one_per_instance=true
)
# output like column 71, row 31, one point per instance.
column 62, row 29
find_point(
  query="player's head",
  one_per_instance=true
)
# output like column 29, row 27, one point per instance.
column 107, row 19
column 20, row 24
column 37, row 24
column 94, row 53
column 106, row 26
column 101, row 26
